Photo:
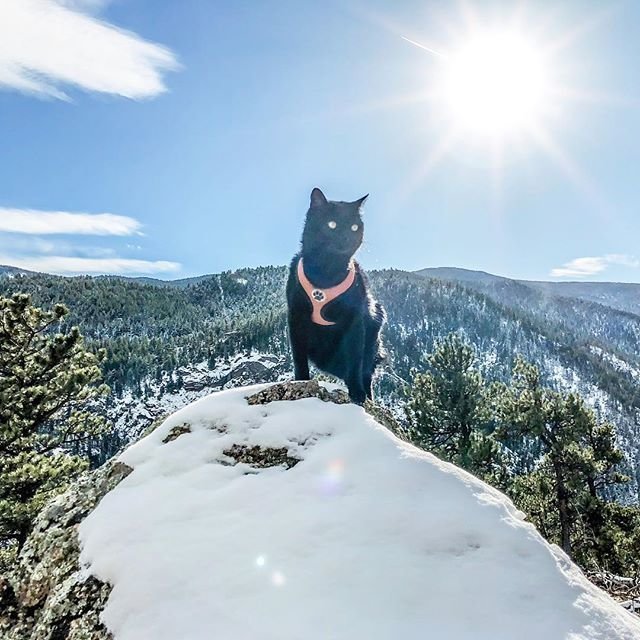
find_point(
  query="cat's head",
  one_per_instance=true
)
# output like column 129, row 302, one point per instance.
column 333, row 227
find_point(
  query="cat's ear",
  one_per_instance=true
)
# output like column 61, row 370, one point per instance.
column 317, row 198
column 358, row 203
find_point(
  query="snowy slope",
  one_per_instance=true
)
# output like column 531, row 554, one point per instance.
column 365, row 537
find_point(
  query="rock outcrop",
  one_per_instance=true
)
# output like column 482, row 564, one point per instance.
column 297, row 391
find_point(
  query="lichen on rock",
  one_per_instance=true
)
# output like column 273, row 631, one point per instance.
column 261, row 457
column 176, row 432
column 297, row 390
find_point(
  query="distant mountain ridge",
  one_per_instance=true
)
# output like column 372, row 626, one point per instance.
column 624, row 296
column 9, row 271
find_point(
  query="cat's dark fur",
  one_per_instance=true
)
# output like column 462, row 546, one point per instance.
column 351, row 348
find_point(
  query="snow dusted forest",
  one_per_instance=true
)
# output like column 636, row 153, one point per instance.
column 169, row 342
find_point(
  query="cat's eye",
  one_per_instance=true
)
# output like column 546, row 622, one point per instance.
column 354, row 227
column 332, row 224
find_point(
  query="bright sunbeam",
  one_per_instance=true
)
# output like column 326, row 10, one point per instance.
column 497, row 84
column 498, row 88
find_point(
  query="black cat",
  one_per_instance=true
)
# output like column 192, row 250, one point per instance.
column 333, row 320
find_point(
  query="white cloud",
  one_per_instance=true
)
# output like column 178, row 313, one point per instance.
column 580, row 268
column 623, row 259
column 589, row 266
column 65, row 265
column 59, row 222
column 46, row 44
column 86, row 5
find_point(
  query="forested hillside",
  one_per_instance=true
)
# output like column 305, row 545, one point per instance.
column 167, row 344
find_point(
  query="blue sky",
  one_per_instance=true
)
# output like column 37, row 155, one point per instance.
column 202, row 129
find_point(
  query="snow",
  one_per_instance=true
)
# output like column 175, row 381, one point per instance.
column 617, row 362
column 366, row 538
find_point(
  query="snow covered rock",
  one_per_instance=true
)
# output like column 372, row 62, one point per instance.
column 276, row 513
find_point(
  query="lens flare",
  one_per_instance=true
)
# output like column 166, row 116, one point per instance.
column 278, row 579
column 331, row 480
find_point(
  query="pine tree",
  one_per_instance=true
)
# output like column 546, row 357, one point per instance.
column 449, row 413
column 47, row 381
column 567, row 494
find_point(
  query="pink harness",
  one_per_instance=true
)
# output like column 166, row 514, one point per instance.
column 320, row 297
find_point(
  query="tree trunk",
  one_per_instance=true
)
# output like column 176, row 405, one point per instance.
column 562, row 498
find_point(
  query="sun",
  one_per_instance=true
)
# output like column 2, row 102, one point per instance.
column 500, row 88
column 496, row 84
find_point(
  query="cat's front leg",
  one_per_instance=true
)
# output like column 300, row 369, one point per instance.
column 355, row 377
column 301, row 368
column 355, row 385
column 299, row 350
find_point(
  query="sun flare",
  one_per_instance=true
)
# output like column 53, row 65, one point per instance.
column 499, row 88
column 496, row 84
